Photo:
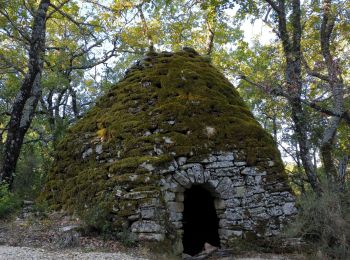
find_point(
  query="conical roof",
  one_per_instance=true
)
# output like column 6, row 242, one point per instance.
column 168, row 105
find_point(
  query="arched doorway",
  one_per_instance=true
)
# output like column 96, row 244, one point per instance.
column 200, row 222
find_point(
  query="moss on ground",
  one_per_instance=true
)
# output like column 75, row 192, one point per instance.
column 168, row 105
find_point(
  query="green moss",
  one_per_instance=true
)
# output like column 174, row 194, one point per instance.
column 154, row 114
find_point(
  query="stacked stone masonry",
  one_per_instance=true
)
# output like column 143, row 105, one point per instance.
column 245, row 201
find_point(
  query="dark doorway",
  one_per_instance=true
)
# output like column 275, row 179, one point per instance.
column 200, row 221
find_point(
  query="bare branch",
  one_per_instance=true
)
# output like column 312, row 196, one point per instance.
column 312, row 72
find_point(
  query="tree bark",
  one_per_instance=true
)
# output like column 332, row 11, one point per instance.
column 27, row 98
column 337, row 86
column 291, row 43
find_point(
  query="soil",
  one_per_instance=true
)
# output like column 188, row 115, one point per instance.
column 35, row 235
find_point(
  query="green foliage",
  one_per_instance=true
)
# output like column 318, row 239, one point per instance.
column 9, row 202
column 95, row 219
column 31, row 171
column 324, row 222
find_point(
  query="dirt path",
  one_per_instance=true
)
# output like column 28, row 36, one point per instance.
column 55, row 237
column 26, row 253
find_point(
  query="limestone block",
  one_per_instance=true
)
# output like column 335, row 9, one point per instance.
column 175, row 206
column 171, row 168
column 175, row 216
column 225, row 188
column 135, row 195
column 180, row 177
column 234, row 214
column 148, row 213
column 179, row 197
column 227, row 233
column 151, row 236
column 146, row 226
column 227, row 156
column 240, row 191
column 169, row 184
column 206, row 175
column 194, row 172
column 238, row 180
column 181, row 161
column 258, row 180
column 287, row 196
column 240, row 163
column 153, row 202
column 249, row 171
column 219, row 204
column 169, row 196
column 232, row 203
column 229, row 171
column 289, row 208
column 275, row 211
column 222, row 164
column 213, row 183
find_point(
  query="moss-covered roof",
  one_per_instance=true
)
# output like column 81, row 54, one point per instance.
column 168, row 105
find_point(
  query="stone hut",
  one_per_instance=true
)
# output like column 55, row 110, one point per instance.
column 171, row 154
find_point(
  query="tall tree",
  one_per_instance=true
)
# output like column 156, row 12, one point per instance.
column 28, row 96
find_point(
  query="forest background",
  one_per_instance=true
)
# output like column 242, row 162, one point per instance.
column 57, row 57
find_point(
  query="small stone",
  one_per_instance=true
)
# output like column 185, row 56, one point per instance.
column 147, row 133
column 98, row 149
column 208, row 248
column 289, row 208
column 181, row 161
column 87, row 153
column 167, row 140
column 209, row 131
column 240, row 163
column 147, row 166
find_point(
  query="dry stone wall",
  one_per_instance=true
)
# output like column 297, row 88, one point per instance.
column 247, row 202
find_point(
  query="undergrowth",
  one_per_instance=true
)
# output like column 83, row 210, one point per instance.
column 324, row 222
column 9, row 202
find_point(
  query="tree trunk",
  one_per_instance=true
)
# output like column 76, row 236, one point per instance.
column 291, row 39
column 27, row 98
column 337, row 86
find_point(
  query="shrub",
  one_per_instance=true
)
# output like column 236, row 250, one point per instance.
column 9, row 202
column 324, row 222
